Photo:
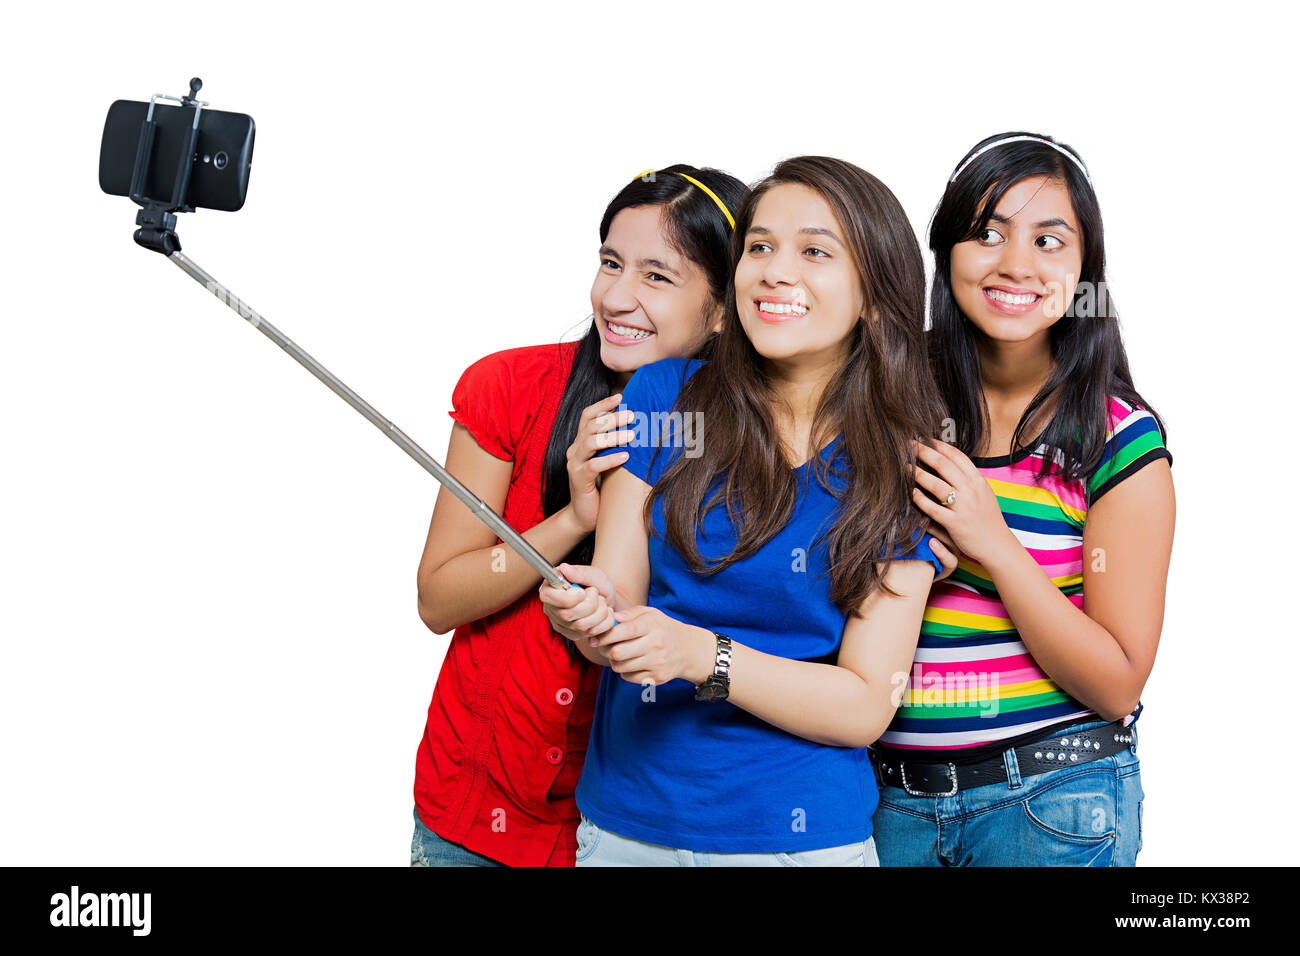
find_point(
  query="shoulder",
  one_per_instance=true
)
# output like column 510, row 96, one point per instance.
column 652, row 391
column 519, row 378
column 1130, row 426
column 1133, row 440
column 525, row 365
column 1119, row 411
column 669, row 370
column 500, row 396
column 657, row 383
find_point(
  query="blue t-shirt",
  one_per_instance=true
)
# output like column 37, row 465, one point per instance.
column 664, row 768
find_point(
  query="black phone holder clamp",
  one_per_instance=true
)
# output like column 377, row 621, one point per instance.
column 157, row 218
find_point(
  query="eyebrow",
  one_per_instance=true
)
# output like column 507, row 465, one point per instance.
column 1045, row 224
column 656, row 264
column 806, row 230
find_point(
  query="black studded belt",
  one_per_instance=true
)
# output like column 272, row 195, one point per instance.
column 927, row 777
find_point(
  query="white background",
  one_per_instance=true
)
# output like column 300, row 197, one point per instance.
column 211, row 652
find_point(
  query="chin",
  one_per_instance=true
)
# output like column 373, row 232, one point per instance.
column 781, row 353
column 1012, row 332
column 615, row 359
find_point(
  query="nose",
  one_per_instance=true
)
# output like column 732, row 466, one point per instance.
column 1016, row 263
column 619, row 296
column 781, row 268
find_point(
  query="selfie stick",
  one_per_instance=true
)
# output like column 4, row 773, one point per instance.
column 158, row 232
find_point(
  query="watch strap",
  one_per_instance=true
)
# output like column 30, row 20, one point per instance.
column 718, row 684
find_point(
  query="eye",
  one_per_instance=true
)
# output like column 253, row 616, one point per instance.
column 758, row 248
column 822, row 253
column 609, row 264
column 988, row 237
column 1048, row 242
column 655, row 275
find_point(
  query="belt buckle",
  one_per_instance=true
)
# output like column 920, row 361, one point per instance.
column 952, row 772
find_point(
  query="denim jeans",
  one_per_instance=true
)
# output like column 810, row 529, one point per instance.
column 600, row 847
column 1085, row 815
column 429, row 849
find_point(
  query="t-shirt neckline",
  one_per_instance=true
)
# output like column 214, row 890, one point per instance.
column 830, row 447
column 1001, row 461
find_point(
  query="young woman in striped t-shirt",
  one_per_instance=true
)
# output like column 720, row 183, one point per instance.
column 1014, row 742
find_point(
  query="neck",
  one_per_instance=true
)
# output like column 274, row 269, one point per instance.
column 1014, row 371
column 800, row 385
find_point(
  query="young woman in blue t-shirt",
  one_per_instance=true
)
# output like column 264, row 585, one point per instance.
column 508, row 723
column 759, row 538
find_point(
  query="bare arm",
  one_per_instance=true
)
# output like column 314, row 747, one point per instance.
column 849, row 704
column 845, row 705
column 1102, row 655
column 622, row 547
column 620, row 575
column 464, row 574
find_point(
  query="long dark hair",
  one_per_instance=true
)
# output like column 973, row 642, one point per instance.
column 696, row 227
column 879, row 400
column 1088, row 359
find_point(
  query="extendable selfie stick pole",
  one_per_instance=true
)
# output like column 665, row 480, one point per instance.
column 157, row 231
column 399, row 437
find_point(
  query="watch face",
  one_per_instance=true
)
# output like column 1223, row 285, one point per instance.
column 711, row 691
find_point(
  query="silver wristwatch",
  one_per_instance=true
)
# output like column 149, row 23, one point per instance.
column 719, row 683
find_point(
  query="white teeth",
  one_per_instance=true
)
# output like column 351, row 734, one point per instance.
column 628, row 332
column 783, row 308
column 1000, row 296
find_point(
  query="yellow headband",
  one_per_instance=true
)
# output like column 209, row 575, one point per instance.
column 707, row 191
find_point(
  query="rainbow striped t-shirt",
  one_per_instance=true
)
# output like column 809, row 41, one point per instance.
column 973, row 682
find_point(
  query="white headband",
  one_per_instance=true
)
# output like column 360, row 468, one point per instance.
column 1023, row 139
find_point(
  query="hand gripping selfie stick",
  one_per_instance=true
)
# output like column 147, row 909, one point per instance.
column 157, row 222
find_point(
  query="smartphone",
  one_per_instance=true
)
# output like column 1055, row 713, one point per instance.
column 219, row 166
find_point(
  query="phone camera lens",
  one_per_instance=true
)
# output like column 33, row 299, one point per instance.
column 220, row 160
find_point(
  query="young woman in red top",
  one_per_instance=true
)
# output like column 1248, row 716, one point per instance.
column 508, row 724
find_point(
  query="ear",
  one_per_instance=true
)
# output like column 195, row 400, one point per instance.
column 715, row 319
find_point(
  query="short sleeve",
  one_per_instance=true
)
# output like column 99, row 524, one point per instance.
column 499, row 396
column 1132, row 442
column 650, row 395
column 921, row 551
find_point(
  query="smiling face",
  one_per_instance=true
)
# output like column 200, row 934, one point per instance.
column 1015, row 279
column 650, row 302
column 798, row 293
